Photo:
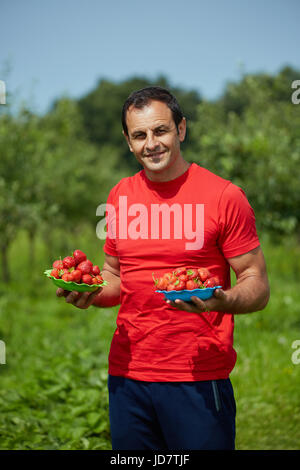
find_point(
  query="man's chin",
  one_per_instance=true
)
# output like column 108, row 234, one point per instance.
column 155, row 167
column 155, row 164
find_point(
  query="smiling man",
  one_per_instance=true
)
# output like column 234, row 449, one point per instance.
column 169, row 362
column 155, row 140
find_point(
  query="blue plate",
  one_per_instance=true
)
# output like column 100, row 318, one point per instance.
column 186, row 294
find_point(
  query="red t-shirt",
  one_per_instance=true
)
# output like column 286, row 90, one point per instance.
column 206, row 219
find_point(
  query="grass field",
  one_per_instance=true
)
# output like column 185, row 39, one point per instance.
column 53, row 386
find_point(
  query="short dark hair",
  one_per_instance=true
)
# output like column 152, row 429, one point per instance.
column 141, row 98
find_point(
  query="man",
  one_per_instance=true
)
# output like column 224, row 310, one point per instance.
column 169, row 362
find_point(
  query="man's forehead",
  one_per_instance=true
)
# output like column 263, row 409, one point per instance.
column 156, row 113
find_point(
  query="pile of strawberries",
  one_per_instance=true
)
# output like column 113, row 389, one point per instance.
column 186, row 278
column 77, row 268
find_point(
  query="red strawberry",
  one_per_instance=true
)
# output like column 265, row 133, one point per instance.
column 211, row 282
column 203, row 274
column 161, row 284
column 179, row 271
column 170, row 287
column 180, row 285
column 66, row 277
column 55, row 273
column 97, row 279
column 87, row 279
column 85, row 266
column 68, row 262
column 63, row 271
column 190, row 284
column 58, row 264
column 192, row 273
column 168, row 276
column 96, row 270
column 173, row 280
column 75, row 275
column 79, row 256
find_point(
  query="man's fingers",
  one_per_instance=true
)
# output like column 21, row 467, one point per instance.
column 79, row 299
column 61, row 292
column 189, row 307
column 72, row 297
column 95, row 293
column 219, row 294
column 87, row 298
column 199, row 303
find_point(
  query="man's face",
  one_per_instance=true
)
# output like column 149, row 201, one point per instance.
column 153, row 138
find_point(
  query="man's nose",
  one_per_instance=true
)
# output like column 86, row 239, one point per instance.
column 151, row 143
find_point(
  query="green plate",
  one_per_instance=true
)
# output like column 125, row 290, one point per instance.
column 74, row 285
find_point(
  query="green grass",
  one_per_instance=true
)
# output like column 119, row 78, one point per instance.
column 53, row 386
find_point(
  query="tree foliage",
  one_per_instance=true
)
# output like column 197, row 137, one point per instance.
column 57, row 168
column 251, row 136
column 101, row 111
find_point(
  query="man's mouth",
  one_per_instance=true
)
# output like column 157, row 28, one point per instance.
column 156, row 154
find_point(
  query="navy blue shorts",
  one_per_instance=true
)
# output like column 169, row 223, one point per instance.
column 171, row 415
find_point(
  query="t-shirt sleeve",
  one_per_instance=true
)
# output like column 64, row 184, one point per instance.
column 109, row 246
column 237, row 227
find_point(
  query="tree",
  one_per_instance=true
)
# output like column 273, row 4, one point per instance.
column 257, row 146
column 101, row 111
column 50, row 176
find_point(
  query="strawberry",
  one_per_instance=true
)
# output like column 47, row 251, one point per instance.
column 68, row 262
column 97, row 279
column 66, row 277
column 211, row 282
column 87, row 279
column 203, row 274
column 173, row 280
column 63, row 271
column 192, row 273
column 85, row 266
column 55, row 273
column 58, row 264
column 96, row 270
column 191, row 284
column 161, row 284
column 79, row 256
column 180, row 285
column 170, row 287
column 75, row 275
column 179, row 271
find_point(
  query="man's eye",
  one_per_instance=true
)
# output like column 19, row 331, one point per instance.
column 138, row 136
column 160, row 131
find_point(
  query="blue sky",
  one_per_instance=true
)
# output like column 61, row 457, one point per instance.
column 56, row 47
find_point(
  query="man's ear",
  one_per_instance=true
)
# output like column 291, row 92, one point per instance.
column 182, row 129
column 128, row 141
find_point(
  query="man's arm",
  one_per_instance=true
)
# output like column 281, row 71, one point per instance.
column 107, row 296
column 110, row 295
column 252, row 291
column 250, row 294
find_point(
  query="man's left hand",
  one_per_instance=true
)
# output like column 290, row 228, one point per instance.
column 218, row 303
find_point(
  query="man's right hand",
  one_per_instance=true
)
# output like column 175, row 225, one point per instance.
column 79, row 299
